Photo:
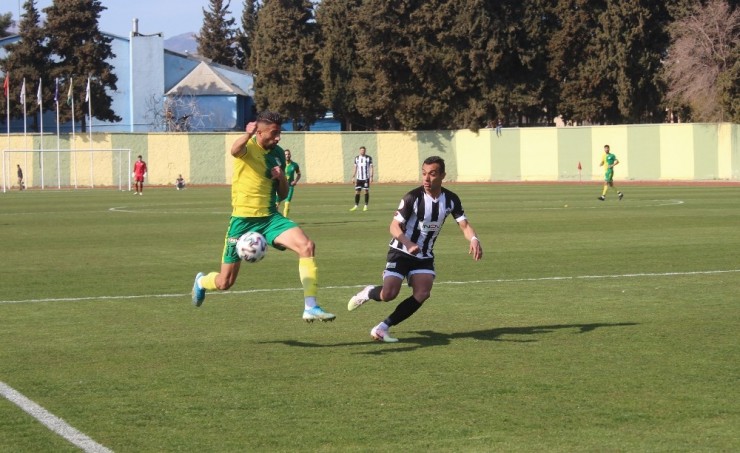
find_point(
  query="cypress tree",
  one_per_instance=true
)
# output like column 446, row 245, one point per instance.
column 578, row 64
column 245, row 36
column 217, row 35
column 284, row 63
column 635, row 39
column 83, row 52
column 337, row 55
column 382, row 79
column 28, row 58
column 6, row 20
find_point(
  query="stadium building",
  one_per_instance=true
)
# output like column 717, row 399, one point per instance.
column 157, row 90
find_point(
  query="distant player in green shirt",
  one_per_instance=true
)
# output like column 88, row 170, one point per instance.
column 609, row 161
column 293, row 173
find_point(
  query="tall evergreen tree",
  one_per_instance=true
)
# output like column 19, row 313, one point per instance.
column 521, row 88
column 246, row 34
column 447, row 41
column 383, row 81
column 337, row 55
column 283, row 60
column 83, row 52
column 634, row 41
column 6, row 20
column 216, row 40
column 28, row 58
column 578, row 64
column 606, row 57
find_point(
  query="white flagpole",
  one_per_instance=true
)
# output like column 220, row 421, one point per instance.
column 71, row 100
column 25, row 126
column 25, row 121
column 40, row 102
column 6, row 89
column 88, row 98
column 56, row 101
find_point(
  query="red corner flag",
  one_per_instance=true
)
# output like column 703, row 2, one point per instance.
column 579, row 165
column 6, row 85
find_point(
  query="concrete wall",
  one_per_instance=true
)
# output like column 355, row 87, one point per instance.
column 646, row 152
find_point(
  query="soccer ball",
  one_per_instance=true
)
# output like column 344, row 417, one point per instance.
column 251, row 247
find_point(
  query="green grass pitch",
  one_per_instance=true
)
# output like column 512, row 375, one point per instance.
column 600, row 326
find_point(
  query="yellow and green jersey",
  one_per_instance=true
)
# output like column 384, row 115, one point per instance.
column 291, row 170
column 253, row 191
column 608, row 160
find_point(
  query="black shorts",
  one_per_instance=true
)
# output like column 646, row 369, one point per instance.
column 402, row 265
column 362, row 184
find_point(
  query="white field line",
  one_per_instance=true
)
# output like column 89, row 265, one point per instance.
column 54, row 423
column 468, row 282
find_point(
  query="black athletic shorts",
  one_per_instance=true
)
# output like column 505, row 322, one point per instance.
column 402, row 265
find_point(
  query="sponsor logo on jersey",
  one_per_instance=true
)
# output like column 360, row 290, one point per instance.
column 232, row 240
column 390, row 265
column 427, row 227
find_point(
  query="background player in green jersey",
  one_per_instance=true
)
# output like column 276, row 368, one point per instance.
column 257, row 182
column 609, row 161
column 293, row 173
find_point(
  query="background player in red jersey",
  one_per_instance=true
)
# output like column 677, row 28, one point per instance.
column 139, row 174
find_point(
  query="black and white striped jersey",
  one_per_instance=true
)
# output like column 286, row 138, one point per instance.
column 363, row 164
column 422, row 217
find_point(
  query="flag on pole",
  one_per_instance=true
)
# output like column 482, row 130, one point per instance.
column 69, row 93
column 6, row 85
column 87, row 90
column 38, row 94
column 56, row 90
column 23, row 92
column 579, row 165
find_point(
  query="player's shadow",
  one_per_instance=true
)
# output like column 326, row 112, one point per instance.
column 427, row 338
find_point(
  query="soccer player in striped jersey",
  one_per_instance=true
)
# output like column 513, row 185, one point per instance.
column 362, row 175
column 257, row 182
column 414, row 230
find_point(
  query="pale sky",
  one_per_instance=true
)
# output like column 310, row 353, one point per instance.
column 171, row 17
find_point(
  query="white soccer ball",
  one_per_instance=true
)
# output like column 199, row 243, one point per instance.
column 251, row 247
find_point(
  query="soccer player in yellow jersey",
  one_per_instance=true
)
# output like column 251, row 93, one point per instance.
column 257, row 182
column 609, row 161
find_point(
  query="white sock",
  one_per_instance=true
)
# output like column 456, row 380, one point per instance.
column 310, row 302
column 382, row 326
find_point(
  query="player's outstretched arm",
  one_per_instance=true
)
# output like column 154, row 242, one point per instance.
column 475, row 247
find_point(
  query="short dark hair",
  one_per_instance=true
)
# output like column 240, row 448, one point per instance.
column 269, row 117
column 435, row 160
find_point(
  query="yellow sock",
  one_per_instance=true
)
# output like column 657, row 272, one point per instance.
column 209, row 281
column 286, row 209
column 307, row 270
column 603, row 192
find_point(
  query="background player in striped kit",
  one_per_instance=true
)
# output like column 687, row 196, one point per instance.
column 415, row 228
column 362, row 175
